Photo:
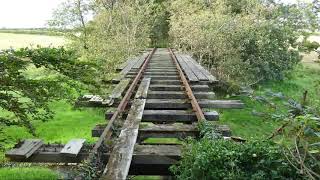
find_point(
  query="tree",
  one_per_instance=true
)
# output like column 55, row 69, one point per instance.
column 24, row 99
column 73, row 14
column 243, row 42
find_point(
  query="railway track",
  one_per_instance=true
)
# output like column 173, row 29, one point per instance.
column 158, row 95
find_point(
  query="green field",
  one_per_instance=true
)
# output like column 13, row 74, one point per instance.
column 8, row 40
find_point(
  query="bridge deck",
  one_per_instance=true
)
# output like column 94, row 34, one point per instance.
column 161, row 105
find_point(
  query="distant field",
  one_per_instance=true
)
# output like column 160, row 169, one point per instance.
column 8, row 40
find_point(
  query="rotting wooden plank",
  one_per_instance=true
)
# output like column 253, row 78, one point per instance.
column 156, row 73
column 178, row 95
column 176, row 130
column 184, row 104
column 90, row 101
column 129, row 66
column 146, row 160
column 167, row 104
column 25, row 149
column 172, row 116
column 175, row 115
column 157, row 69
column 168, row 82
column 118, row 91
column 141, row 60
column 96, row 99
column 125, row 64
column 157, row 77
column 73, row 147
column 191, row 76
column 174, row 82
column 124, row 71
column 121, row 156
column 221, row 104
column 195, row 69
column 164, row 87
column 203, row 70
column 142, row 92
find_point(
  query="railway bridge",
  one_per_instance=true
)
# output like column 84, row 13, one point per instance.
column 159, row 98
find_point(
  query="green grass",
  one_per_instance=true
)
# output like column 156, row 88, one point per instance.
column 34, row 173
column 68, row 123
column 8, row 40
column 242, row 121
column 162, row 141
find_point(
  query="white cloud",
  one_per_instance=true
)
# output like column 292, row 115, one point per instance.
column 26, row 13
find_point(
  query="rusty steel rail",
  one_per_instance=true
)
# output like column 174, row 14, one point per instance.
column 195, row 105
column 106, row 134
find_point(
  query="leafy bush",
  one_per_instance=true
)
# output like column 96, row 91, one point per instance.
column 117, row 32
column 24, row 98
column 309, row 46
column 244, row 41
column 220, row 159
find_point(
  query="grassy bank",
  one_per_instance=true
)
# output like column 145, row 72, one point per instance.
column 27, row 174
column 8, row 40
column 246, row 123
column 67, row 123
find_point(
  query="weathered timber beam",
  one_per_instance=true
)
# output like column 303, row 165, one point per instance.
column 172, row 116
column 147, row 159
column 177, row 87
column 154, row 70
column 184, row 104
column 176, row 130
column 178, row 95
column 156, row 73
column 175, row 82
column 180, row 131
column 118, row 91
column 121, row 156
column 158, row 77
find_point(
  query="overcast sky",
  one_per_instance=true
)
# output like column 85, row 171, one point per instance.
column 26, row 13
column 30, row 13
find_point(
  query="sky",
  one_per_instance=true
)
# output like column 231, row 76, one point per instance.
column 26, row 13
column 32, row 13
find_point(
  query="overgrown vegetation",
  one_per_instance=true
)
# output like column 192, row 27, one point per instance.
column 220, row 159
column 247, row 42
column 243, row 42
column 27, row 99
column 277, row 117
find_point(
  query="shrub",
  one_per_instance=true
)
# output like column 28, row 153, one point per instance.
column 309, row 46
column 220, row 159
column 244, row 41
